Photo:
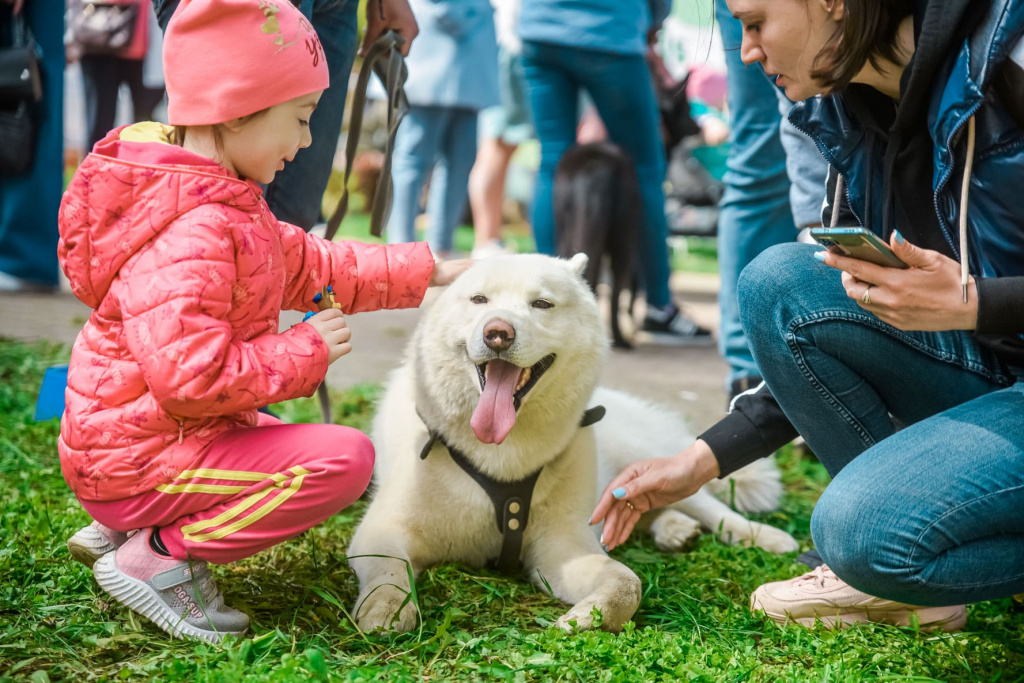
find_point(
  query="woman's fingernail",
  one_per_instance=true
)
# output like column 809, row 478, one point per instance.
column 899, row 237
column 602, row 540
column 619, row 492
column 820, row 255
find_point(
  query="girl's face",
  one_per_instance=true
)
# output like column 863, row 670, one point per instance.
column 259, row 148
column 785, row 37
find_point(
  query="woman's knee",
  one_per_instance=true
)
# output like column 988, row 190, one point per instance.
column 857, row 532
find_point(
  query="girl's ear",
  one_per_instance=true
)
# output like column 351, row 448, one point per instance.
column 235, row 125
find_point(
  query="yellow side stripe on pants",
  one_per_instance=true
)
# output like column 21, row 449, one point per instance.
column 204, row 473
column 190, row 530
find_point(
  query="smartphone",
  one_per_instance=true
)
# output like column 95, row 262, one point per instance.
column 858, row 243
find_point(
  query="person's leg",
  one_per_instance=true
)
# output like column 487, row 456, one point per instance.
column 415, row 152
column 252, row 489
column 449, row 186
column 144, row 99
column 838, row 371
column 487, row 188
column 755, row 210
column 806, row 169
column 101, row 75
column 621, row 88
column 29, row 203
column 932, row 515
column 553, row 94
column 296, row 194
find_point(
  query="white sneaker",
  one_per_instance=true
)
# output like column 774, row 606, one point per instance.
column 92, row 542
column 822, row 596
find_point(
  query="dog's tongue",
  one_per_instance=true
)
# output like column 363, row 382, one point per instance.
column 495, row 414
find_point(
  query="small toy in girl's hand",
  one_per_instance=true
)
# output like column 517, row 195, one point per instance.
column 324, row 300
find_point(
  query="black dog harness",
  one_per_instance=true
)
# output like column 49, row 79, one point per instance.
column 511, row 499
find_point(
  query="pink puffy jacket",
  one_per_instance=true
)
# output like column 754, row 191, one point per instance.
column 187, row 271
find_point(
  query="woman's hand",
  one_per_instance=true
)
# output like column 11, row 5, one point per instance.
column 651, row 484
column 331, row 327
column 927, row 296
column 382, row 15
column 445, row 272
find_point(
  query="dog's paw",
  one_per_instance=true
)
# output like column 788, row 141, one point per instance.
column 673, row 531
column 579, row 618
column 377, row 612
column 771, row 539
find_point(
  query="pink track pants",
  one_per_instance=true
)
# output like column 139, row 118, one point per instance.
column 252, row 489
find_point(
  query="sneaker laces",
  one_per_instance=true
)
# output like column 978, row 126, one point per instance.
column 207, row 588
column 683, row 326
column 820, row 575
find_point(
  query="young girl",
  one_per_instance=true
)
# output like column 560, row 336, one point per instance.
column 165, row 234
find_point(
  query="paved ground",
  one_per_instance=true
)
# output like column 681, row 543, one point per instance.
column 689, row 379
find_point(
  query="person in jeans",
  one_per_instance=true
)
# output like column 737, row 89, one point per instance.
column 29, row 202
column 296, row 195
column 774, row 185
column 603, row 54
column 921, row 118
column 453, row 74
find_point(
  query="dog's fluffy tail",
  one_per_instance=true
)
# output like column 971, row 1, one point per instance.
column 754, row 488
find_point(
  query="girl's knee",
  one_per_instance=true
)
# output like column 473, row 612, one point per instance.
column 351, row 462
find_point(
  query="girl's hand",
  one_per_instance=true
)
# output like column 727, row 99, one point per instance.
column 445, row 272
column 331, row 327
column 650, row 484
column 927, row 296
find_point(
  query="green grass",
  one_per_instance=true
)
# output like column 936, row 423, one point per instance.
column 693, row 624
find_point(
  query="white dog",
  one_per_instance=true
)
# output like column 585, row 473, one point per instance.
column 499, row 375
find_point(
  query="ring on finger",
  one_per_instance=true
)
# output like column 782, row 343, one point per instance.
column 866, row 297
column 630, row 506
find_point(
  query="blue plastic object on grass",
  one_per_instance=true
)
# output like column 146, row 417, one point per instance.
column 50, row 403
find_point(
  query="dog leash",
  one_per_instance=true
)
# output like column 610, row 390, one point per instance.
column 511, row 499
column 384, row 59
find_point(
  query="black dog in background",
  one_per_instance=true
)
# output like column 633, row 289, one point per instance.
column 598, row 212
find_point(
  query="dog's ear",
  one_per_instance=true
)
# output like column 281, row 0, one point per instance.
column 578, row 264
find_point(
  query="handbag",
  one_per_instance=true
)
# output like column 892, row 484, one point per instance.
column 20, row 78
column 17, row 139
column 98, row 28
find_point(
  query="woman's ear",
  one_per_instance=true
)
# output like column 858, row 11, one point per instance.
column 836, row 9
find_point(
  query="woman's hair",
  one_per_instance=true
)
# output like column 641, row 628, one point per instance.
column 867, row 33
column 177, row 136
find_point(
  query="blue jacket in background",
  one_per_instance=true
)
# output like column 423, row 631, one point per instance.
column 605, row 25
column 454, row 60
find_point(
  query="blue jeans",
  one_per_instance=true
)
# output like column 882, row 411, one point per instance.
column 29, row 203
column 442, row 139
column 930, row 514
column 775, row 181
column 621, row 88
column 297, row 192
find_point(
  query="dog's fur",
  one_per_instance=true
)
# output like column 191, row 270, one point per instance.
column 429, row 511
column 598, row 212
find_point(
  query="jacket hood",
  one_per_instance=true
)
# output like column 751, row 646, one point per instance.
column 127, row 190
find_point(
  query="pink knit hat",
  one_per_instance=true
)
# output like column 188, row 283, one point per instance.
column 229, row 58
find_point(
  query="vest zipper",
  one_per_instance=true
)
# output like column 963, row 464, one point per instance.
column 181, row 432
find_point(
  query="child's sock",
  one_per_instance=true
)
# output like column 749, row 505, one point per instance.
column 157, row 543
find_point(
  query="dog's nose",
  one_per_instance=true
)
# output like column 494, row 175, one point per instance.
column 499, row 335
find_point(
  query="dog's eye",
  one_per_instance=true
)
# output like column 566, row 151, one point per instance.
column 542, row 304
column 479, row 299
